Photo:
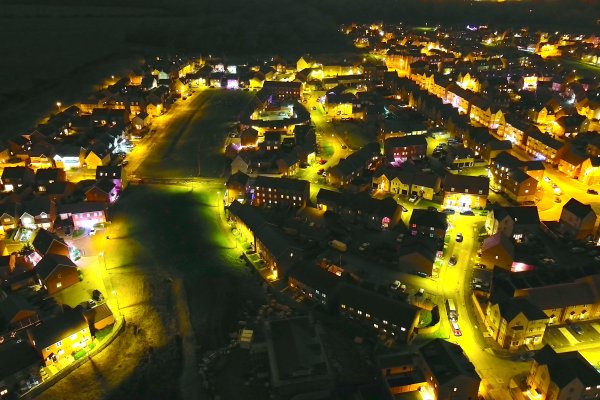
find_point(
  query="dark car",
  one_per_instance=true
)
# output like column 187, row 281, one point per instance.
column 453, row 260
column 97, row 295
column 459, row 237
column 592, row 191
column 448, row 211
column 467, row 212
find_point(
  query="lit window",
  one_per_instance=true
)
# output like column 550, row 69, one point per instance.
column 73, row 336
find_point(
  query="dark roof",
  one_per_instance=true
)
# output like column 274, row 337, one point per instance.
column 48, row 174
column 563, row 295
column 447, row 361
column 81, row 207
column 577, row 208
column 12, row 305
column 523, row 215
column 518, row 175
column 44, row 239
column 98, row 313
column 404, row 141
column 510, row 308
column 15, row 172
column 21, row 356
column 249, row 215
column 379, row 306
column 58, row 328
column 467, row 184
column 50, row 262
column 36, row 206
column 239, row 178
column 507, row 160
column 297, row 185
column 314, row 277
column 566, row 367
column 428, row 218
column 109, row 171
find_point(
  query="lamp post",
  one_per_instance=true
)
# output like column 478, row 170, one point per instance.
column 58, row 105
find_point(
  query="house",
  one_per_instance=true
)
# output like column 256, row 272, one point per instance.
column 565, row 375
column 44, row 243
column 544, row 147
column 448, row 372
column 512, row 177
column 418, row 256
column 394, row 318
column 515, row 322
column 236, row 187
column 459, row 157
column 426, row 223
column 590, row 171
column 46, row 176
column 298, row 363
column 56, row 272
column 84, row 214
column 24, row 362
column 114, row 173
column 342, row 105
column 406, row 182
column 315, row 283
column 241, row 163
column 141, row 120
column 287, row 165
column 60, row 336
column 57, row 191
column 8, row 219
column 514, row 222
column 577, row 220
column 402, row 148
column 16, row 177
column 268, row 191
column 497, row 250
column 465, row 192
column 103, row 191
column 353, row 166
column 571, row 162
column 38, row 212
column 97, row 156
column 17, row 313
column 69, row 156
column 279, row 91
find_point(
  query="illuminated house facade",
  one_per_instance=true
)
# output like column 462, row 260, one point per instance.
column 83, row 214
column 561, row 376
column 590, row 171
column 60, row 336
column 397, row 181
column 400, row 149
column 15, row 177
column 56, row 272
column 465, row 192
column 515, row 322
column 577, row 220
column 513, row 222
column 315, row 283
column 510, row 175
column 275, row 192
column 544, row 147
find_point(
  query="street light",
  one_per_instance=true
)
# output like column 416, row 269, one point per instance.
column 58, row 105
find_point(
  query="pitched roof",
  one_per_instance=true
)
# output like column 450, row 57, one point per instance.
column 58, row 328
column 44, row 239
column 467, row 184
column 314, row 277
column 510, row 308
column 404, row 141
column 21, row 356
column 428, row 218
column 564, row 368
column 523, row 215
column 281, row 183
column 50, row 262
column 550, row 297
column 447, row 361
column 109, row 171
column 81, row 207
column 498, row 239
column 577, row 208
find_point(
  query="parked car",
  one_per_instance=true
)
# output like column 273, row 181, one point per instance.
column 404, row 209
column 92, row 231
column 576, row 250
column 344, row 147
column 557, row 199
column 320, row 171
column 459, row 237
column 364, row 246
column 467, row 212
column 97, row 295
column 577, row 329
column 421, row 292
column 91, row 303
column 396, row 285
column 432, row 208
column 413, row 197
column 453, row 260
column 448, row 211
column 592, row 191
column 322, row 161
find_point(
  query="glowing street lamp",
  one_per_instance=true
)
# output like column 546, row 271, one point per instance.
column 58, row 105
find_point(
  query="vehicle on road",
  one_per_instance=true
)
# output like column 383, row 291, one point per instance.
column 364, row 246
column 451, row 310
column 344, row 147
column 400, row 238
column 322, row 161
column 404, row 209
column 92, row 231
column 453, row 260
column 413, row 197
column 467, row 212
column 592, row 191
column 557, row 199
column 459, row 237
column 320, row 171
column 396, row 285
column 455, row 329
column 421, row 292
column 577, row 329
column 448, row 211
column 340, row 246
column 431, row 208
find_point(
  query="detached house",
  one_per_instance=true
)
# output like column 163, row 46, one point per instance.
column 47, row 176
column 56, row 272
column 16, row 177
column 103, row 191
column 577, row 220
column 44, row 243
column 114, row 173
column 38, row 212
column 85, row 214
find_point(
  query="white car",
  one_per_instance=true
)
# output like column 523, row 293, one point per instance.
column 396, row 285
column 364, row 246
column 413, row 197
